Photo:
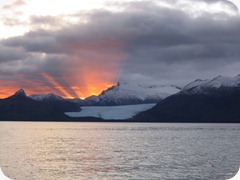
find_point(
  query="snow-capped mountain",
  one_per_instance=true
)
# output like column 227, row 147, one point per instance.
column 42, row 97
column 215, row 100
column 55, row 98
column 132, row 93
column 57, row 101
column 209, row 87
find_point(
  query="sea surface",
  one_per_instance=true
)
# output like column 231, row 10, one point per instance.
column 58, row 150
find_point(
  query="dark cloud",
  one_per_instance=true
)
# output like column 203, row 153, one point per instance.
column 176, row 47
column 142, row 42
column 11, row 54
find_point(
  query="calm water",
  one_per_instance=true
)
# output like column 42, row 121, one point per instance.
column 36, row 150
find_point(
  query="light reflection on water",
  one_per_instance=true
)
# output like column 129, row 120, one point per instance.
column 47, row 150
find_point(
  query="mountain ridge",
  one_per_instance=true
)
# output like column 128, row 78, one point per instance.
column 125, row 93
column 214, row 100
column 21, row 107
column 202, row 101
column 42, row 97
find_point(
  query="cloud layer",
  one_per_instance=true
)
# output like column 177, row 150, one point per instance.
column 82, row 53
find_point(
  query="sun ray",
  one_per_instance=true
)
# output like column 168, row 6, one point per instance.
column 55, row 84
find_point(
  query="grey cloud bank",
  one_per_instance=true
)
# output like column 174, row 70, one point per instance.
column 143, row 42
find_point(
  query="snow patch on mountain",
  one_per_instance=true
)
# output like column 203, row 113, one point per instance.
column 42, row 97
column 132, row 93
column 203, row 86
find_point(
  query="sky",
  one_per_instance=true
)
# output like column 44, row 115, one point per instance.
column 78, row 48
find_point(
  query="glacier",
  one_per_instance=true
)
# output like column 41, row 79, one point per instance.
column 111, row 112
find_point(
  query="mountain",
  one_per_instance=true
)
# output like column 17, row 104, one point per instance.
column 19, row 94
column 56, row 101
column 125, row 93
column 212, row 87
column 77, row 101
column 215, row 100
column 21, row 107
column 46, row 97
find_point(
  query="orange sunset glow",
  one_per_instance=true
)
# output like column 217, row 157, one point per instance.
column 82, row 92
column 94, row 84
column 91, row 80
column 90, row 68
